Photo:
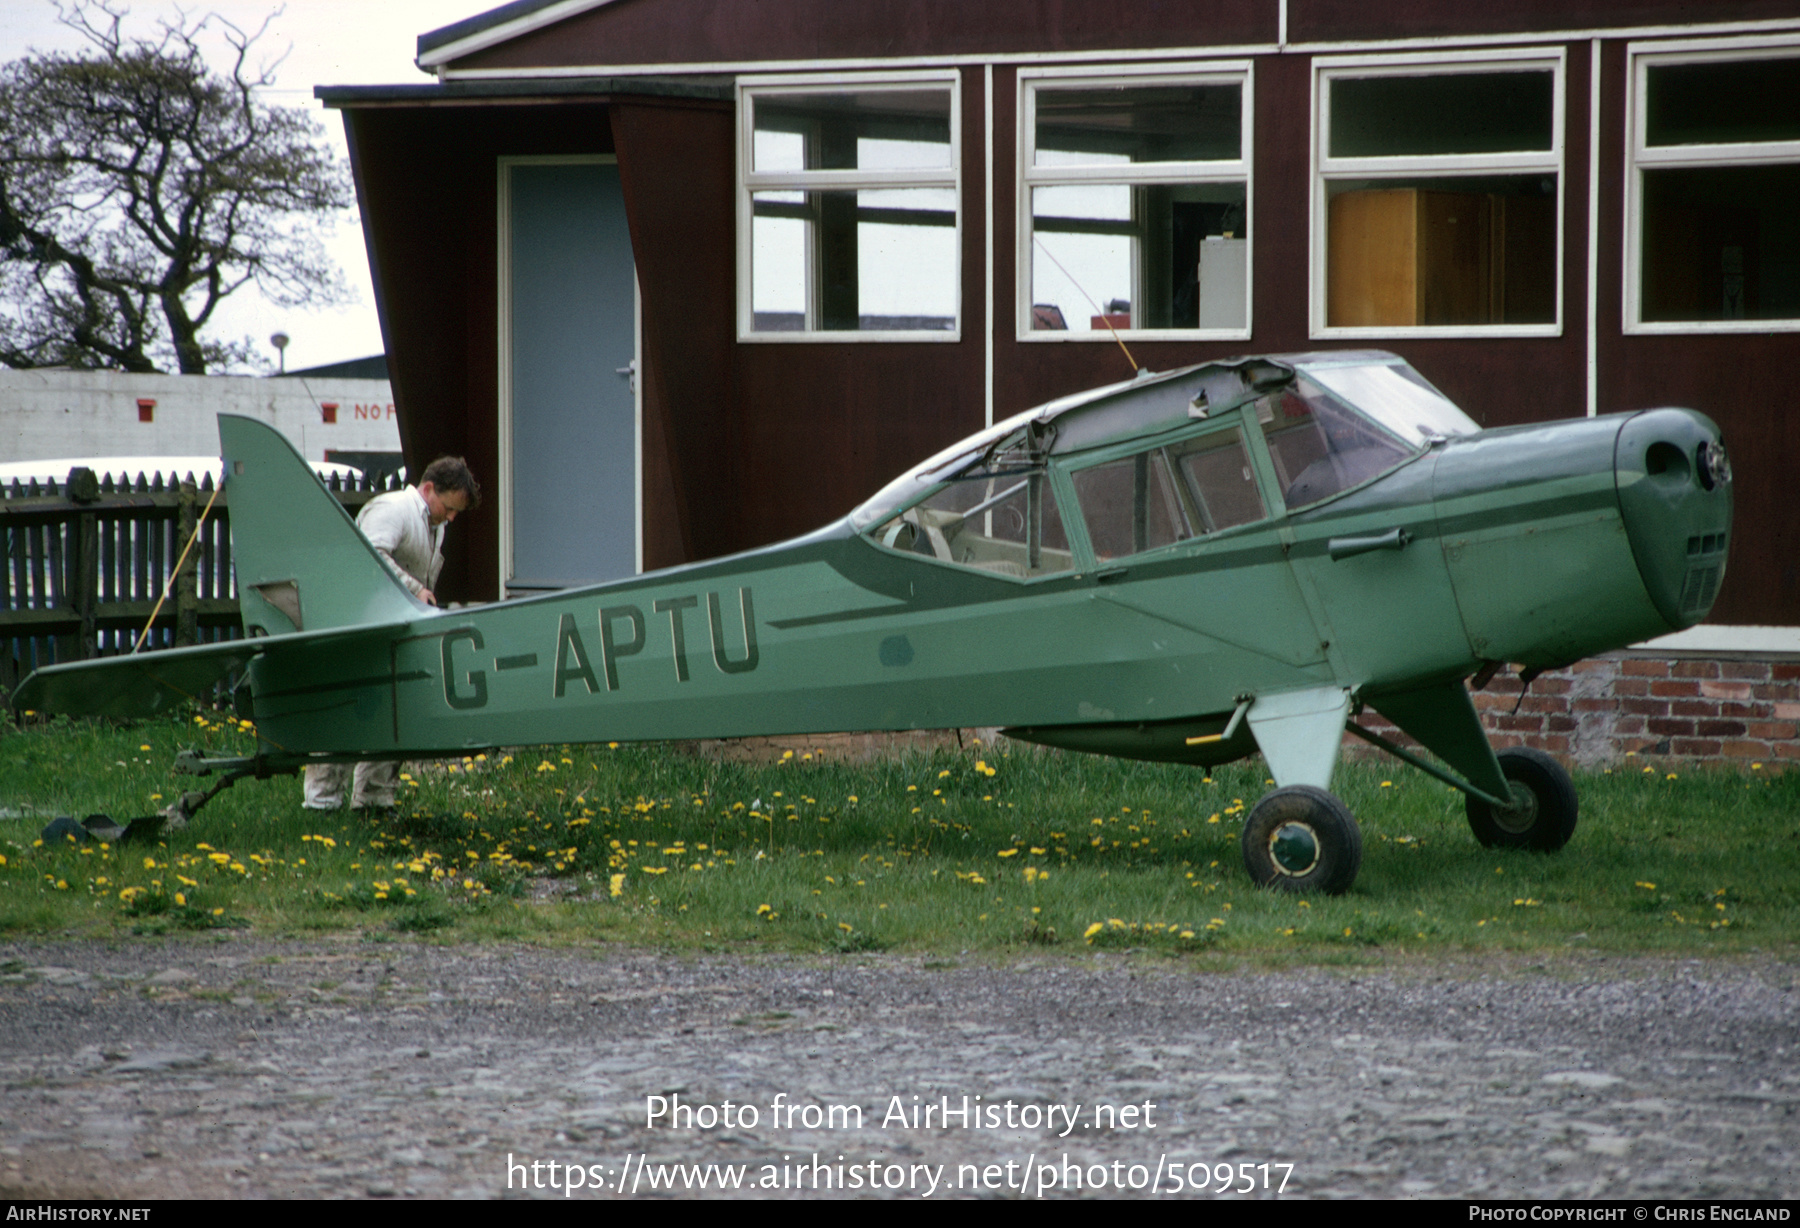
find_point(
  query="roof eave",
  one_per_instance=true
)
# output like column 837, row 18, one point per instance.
column 439, row 93
column 478, row 33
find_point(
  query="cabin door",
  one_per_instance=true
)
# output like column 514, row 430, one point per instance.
column 568, row 376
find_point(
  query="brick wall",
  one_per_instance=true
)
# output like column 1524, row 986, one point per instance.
column 1598, row 711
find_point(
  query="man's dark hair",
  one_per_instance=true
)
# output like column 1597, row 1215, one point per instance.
column 448, row 473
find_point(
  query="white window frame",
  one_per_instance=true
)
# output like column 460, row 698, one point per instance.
column 751, row 181
column 1219, row 72
column 1640, row 156
column 1447, row 167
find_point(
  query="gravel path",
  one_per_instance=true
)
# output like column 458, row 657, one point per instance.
column 339, row 1068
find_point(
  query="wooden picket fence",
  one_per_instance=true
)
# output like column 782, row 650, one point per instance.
column 86, row 560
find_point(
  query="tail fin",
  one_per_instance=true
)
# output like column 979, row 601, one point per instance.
column 301, row 563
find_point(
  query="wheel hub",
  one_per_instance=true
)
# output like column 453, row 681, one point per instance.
column 1294, row 849
column 1520, row 817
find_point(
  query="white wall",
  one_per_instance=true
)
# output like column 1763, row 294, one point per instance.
column 95, row 413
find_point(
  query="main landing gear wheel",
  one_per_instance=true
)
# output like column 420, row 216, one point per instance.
column 1301, row 838
column 1542, row 816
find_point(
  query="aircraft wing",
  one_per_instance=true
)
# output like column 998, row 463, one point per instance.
column 144, row 684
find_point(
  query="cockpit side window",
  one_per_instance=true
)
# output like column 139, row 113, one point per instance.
column 1218, row 472
column 995, row 519
column 1167, row 494
column 1320, row 445
column 1132, row 504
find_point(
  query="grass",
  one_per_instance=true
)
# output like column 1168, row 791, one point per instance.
column 1001, row 849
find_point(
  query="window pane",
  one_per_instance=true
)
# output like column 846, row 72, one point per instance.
column 1131, row 505
column 1400, row 399
column 1320, row 445
column 1124, row 124
column 854, row 130
column 1157, row 256
column 1218, row 472
column 1455, row 113
column 1722, row 243
column 1007, row 524
column 1441, row 252
column 778, row 262
column 1719, row 103
column 871, row 260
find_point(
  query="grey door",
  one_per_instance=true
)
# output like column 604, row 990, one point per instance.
column 573, row 421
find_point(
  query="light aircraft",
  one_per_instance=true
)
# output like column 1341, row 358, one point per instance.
column 1191, row 566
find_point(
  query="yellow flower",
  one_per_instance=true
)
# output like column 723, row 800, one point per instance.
column 1095, row 928
column 615, row 886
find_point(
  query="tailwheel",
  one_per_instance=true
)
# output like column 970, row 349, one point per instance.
column 1543, row 812
column 1301, row 838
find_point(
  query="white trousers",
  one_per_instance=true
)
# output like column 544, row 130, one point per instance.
column 374, row 784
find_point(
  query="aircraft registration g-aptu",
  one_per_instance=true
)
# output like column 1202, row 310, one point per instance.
column 1192, row 566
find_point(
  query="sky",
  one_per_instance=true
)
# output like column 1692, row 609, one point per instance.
column 325, row 42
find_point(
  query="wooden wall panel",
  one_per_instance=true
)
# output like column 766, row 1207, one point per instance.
column 711, row 31
column 1319, row 20
column 1745, row 384
column 788, row 436
column 827, row 424
column 676, row 165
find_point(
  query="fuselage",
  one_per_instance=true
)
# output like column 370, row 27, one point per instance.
column 1537, row 545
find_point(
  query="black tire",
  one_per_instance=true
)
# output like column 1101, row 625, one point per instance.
column 1301, row 838
column 1544, row 818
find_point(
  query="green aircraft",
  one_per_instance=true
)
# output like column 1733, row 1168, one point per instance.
column 1191, row 566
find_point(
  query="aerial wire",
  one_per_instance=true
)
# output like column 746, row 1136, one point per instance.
column 1101, row 315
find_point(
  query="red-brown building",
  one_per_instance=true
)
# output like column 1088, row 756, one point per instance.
column 860, row 231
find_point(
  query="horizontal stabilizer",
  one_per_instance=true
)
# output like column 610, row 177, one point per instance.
column 145, row 684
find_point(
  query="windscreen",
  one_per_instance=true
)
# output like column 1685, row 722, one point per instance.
column 1397, row 397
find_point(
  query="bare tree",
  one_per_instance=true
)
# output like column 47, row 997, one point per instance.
column 139, row 187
